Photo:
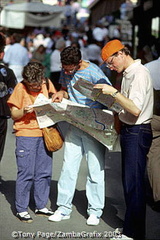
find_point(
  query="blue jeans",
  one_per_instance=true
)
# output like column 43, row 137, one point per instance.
column 34, row 164
column 135, row 143
column 78, row 143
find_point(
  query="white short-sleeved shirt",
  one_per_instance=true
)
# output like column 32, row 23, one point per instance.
column 55, row 61
column 98, row 34
column 137, row 86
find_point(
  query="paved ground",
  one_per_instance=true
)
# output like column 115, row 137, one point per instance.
column 11, row 228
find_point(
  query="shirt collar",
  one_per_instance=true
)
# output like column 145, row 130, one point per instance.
column 132, row 66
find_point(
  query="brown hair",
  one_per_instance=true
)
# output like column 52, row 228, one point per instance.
column 70, row 55
column 33, row 72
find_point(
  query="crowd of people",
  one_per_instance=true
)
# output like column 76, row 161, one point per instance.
column 64, row 57
column 40, row 45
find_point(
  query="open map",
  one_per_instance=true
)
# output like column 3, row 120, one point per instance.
column 86, row 88
column 96, row 122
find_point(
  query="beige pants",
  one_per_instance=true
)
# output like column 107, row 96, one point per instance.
column 153, row 164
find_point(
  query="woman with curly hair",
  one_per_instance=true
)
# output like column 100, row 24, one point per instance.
column 34, row 161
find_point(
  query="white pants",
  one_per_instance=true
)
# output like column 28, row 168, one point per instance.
column 78, row 143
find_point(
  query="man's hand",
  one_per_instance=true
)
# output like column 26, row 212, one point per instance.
column 58, row 96
column 106, row 89
column 125, row 102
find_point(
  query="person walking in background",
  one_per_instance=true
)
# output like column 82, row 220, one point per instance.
column 100, row 34
column 68, row 13
column 79, row 144
column 34, row 161
column 93, row 51
column 136, row 98
column 153, row 164
column 16, row 56
column 8, row 42
column 7, row 83
column 55, row 63
column 39, row 54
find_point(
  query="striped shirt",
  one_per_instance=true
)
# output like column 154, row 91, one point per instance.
column 92, row 74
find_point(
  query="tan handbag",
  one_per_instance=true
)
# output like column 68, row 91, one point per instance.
column 52, row 138
column 52, row 135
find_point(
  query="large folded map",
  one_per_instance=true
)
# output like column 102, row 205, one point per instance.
column 96, row 122
column 86, row 88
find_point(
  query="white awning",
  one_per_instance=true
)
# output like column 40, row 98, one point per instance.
column 31, row 14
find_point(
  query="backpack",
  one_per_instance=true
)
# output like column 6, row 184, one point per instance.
column 7, row 84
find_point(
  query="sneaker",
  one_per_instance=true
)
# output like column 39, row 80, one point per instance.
column 58, row 216
column 118, row 230
column 93, row 220
column 43, row 212
column 24, row 217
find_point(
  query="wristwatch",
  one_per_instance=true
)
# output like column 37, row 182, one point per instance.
column 114, row 94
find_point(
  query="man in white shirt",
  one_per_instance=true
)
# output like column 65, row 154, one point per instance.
column 16, row 57
column 99, row 33
column 55, row 63
column 136, row 99
column 93, row 51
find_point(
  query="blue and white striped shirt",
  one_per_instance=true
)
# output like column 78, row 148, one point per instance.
column 92, row 74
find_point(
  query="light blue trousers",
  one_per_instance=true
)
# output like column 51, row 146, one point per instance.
column 78, row 143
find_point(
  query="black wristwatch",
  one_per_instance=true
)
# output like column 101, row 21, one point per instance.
column 114, row 94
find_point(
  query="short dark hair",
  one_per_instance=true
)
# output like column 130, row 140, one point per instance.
column 2, row 42
column 33, row 72
column 70, row 56
column 126, row 51
column 17, row 37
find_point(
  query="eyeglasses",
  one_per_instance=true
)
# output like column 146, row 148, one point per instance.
column 70, row 70
column 34, row 87
column 110, row 64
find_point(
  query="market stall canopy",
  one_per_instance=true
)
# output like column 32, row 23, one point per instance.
column 31, row 14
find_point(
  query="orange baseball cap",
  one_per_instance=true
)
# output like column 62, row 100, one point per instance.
column 110, row 48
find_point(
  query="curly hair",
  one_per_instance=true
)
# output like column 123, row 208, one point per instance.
column 33, row 72
column 70, row 56
column 2, row 42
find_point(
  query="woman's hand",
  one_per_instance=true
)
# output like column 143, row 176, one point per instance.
column 17, row 113
column 28, row 109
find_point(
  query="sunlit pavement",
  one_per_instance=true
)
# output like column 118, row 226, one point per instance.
column 74, row 228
